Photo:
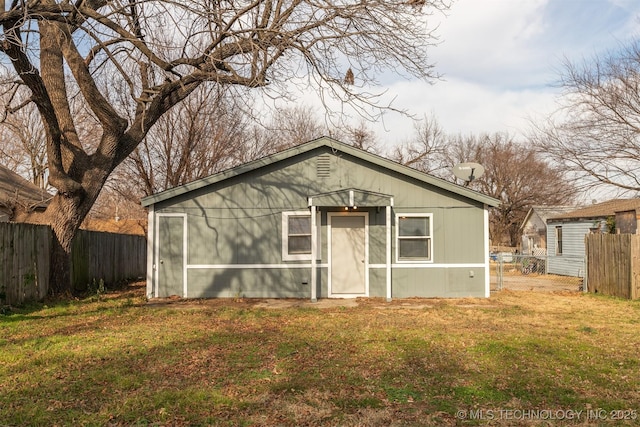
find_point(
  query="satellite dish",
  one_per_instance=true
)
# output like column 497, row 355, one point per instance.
column 468, row 171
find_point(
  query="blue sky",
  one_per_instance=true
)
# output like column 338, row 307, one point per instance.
column 500, row 60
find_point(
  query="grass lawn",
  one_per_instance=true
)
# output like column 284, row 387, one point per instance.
column 518, row 357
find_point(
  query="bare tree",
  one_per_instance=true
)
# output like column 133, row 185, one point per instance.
column 595, row 135
column 287, row 127
column 516, row 175
column 427, row 150
column 362, row 137
column 204, row 136
column 129, row 70
column 23, row 147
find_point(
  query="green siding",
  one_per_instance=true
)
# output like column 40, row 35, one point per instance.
column 237, row 221
column 437, row 282
column 458, row 235
column 324, row 169
column 250, row 283
column 219, row 240
column 377, row 236
column 377, row 282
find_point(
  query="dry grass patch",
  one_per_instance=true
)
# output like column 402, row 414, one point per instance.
column 118, row 360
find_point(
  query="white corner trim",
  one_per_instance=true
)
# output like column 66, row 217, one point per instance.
column 314, row 255
column 388, row 250
column 487, row 272
column 151, row 260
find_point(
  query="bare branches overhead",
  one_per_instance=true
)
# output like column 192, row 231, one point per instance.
column 131, row 61
column 596, row 132
column 162, row 50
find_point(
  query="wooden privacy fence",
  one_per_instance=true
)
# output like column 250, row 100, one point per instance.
column 25, row 251
column 108, row 257
column 613, row 264
column 24, row 262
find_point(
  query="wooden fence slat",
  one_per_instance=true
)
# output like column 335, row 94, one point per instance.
column 25, row 251
column 635, row 268
column 24, row 262
column 108, row 257
column 614, row 264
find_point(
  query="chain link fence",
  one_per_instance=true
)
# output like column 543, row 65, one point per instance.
column 539, row 273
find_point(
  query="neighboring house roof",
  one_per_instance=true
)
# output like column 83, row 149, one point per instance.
column 312, row 145
column 14, row 188
column 601, row 210
column 545, row 212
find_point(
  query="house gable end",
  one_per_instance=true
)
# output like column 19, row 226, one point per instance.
column 324, row 151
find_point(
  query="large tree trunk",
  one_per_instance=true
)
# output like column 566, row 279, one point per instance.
column 65, row 214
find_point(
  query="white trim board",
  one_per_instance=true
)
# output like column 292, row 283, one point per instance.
column 476, row 265
column 326, row 265
column 487, row 272
column 252, row 266
column 151, row 263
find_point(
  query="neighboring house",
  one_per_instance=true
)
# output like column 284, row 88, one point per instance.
column 319, row 220
column 534, row 228
column 566, row 232
column 17, row 191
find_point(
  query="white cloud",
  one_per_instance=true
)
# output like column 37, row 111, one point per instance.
column 486, row 39
column 465, row 107
column 500, row 59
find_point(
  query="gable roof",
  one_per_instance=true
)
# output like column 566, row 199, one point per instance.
column 546, row 211
column 13, row 187
column 601, row 210
column 312, row 145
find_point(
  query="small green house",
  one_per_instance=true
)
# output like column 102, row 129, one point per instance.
column 320, row 220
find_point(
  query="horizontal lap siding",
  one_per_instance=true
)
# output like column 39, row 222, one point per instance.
column 377, row 282
column 458, row 236
column 571, row 262
column 245, row 240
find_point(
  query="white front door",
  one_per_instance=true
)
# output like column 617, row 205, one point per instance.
column 348, row 263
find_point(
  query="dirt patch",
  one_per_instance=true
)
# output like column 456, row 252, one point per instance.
column 321, row 304
column 517, row 284
column 539, row 283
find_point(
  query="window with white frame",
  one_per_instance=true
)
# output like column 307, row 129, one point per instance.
column 296, row 235
column 558, row 240
column 414, row 242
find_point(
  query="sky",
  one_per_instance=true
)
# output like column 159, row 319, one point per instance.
column 500, row 62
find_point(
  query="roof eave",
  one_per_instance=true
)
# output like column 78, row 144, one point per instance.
column 309, row 146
